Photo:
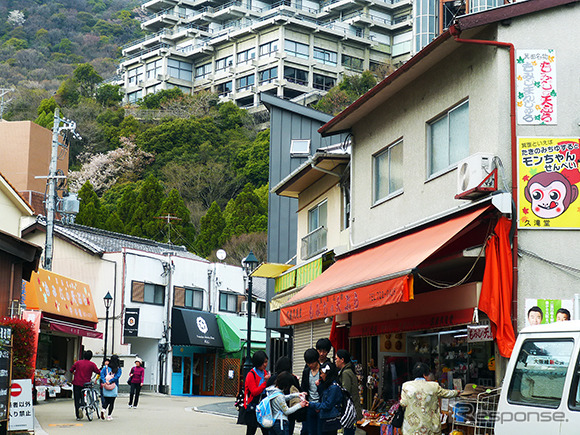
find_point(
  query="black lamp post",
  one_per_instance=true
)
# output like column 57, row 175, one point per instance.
column 108, row 300
column 250, row 263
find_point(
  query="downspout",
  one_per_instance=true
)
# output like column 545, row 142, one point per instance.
column 455, row 32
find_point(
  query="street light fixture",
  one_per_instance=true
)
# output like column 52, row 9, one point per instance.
column 108, row 300
column 249, row 263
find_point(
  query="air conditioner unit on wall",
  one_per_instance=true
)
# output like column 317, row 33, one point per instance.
column 244, row 308
column 472, row 170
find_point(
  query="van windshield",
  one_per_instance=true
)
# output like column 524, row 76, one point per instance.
column 540, row 372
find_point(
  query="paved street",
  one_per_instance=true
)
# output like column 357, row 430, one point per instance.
column 156, row 414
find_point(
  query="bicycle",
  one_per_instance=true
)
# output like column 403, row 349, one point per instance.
column 91, row 401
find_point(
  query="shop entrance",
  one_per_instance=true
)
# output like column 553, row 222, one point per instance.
column 207, row 364
column 193, row 373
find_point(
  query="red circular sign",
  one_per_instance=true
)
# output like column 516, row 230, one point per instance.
column 15, row 389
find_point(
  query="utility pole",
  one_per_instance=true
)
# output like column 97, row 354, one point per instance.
column 57, row 129
column 168, row 218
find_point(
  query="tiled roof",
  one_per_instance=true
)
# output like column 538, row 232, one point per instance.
column 100, row 241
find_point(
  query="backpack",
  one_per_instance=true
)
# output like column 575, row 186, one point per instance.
column 264, row 412
column 347, row 411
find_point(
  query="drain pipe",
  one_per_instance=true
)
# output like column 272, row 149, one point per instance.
column 456, row 32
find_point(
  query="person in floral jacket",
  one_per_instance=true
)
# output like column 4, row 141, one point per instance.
column 420, row 398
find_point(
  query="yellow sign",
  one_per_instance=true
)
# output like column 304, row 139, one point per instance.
column 548, row 183
column 57, row 294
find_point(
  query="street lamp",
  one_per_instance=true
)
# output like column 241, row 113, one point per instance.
column 249, row 263
column 108, row 300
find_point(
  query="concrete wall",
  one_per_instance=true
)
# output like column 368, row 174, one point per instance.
column 481, row 74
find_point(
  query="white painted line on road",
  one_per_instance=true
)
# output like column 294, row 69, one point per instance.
column 221, row 414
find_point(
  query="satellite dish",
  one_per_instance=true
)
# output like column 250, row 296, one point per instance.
column 221, row 254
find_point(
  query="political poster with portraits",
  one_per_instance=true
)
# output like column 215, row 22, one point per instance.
column 548, row 183
column 543, row 311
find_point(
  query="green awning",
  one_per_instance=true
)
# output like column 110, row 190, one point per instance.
column 234, row 330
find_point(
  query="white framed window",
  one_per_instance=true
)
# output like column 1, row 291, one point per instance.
column 154, row 69
column 317, row 216
column 388, row 171
column 135, row 75
column 325, row 56
column 228, row 302
column 223, row 63
column 296, row 49
column 268, row 48
column 246, row 56
column 300, row 147
column 448, row 138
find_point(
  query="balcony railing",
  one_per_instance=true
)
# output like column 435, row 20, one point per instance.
column 313, row 243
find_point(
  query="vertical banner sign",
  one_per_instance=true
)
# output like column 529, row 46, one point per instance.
column 34, row 318
column 131, row 324
column 5, row 365
column 549, row 182
column 21, row 410
column 536, row 93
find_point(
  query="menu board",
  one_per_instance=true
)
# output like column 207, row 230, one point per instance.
column 5, row 359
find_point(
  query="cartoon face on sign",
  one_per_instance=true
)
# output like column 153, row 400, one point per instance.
column 550, row 194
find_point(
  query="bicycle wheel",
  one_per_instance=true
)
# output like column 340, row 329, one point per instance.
column 96, row 403
column 88, row 405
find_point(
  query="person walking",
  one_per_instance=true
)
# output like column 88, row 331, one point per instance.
column 420, row 398
column 254, row 385
column 136, row 378
column 110, row 381
column 330, row 401
column 348, row 380
column 309, row 384
column 280, row 409
column 285, row 365
column 82, row 370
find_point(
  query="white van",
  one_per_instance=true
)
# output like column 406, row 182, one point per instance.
column 540, row 392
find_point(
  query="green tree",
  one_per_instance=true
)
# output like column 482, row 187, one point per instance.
column 46, row 113
column 90, row 212
column 15, row 44
column 87, row 78
column 154, row 101
column 114, row 223
column 211, row 228
column 178, row 230
column 149, row 200
column 109, row 95
column 253, row 160
column 245, row 214
column 346, row 92
column 68, row 93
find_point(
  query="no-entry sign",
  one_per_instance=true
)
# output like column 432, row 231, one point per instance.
column 21, row 415
column 15, row 389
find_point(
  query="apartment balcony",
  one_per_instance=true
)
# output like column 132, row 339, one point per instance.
column 145, row 53
column 392, row 5
column 313, row 243
column 162, row 19
column 369, row 19
column 158, row 5
column 337, row 5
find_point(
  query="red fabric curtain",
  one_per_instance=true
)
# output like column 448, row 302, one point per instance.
column 338, row 336
column 496, row 289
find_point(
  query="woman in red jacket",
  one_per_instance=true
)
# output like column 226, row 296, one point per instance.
column 136, row 377
column 255, row 384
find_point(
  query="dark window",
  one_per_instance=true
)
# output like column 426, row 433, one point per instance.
column 180, row 70
column 323, row 82
column 245, row 83
column 351, row 62
column 223, row 63
column 188, row 297
column 228, row 302
column 295, row 75
column 147, row 293
column 268, row 76
column 224, row 88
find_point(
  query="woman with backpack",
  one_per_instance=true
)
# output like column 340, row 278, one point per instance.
column 330, row 403
column 110, row 382
column 280, row 410
column 348, row 380
column 254, row 386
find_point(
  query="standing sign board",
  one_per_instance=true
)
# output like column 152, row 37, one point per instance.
column 21, row 410
column 5, row 369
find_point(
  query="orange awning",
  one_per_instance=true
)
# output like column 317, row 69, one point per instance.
column 52, row 293
column 375, row 277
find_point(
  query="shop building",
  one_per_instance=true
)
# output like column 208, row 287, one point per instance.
column 149, row 282
column 434, row 258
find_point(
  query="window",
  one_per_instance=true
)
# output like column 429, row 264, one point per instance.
column 315, row 241
column 353, row 63
column 224, row 88
column 203, row 71
column 295, row 75
column 245, row 83
column 345, row 190
column 449, row 138
column 228, row 302
column 325, row 56
column 317, row 217
column 268, row 76
column 246, row 55
column 154, row 69
column 388, row 171
column 574, row 396
column 180, row 70
column 188, row 297
column 297, row 49
column 300, row 147
column 540, row 372
column 268, row 48
column 147, row 293
column 323, row 82
column 223, row 63
column 135, row 76
column 133, row 97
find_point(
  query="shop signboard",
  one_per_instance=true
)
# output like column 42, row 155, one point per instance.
column 21, row 410
column 131, row 324
column 478, row 333
column 537, row 95
column 5, row 368
column 549, row 181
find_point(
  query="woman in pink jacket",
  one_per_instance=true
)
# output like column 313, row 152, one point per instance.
column 136, row 377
